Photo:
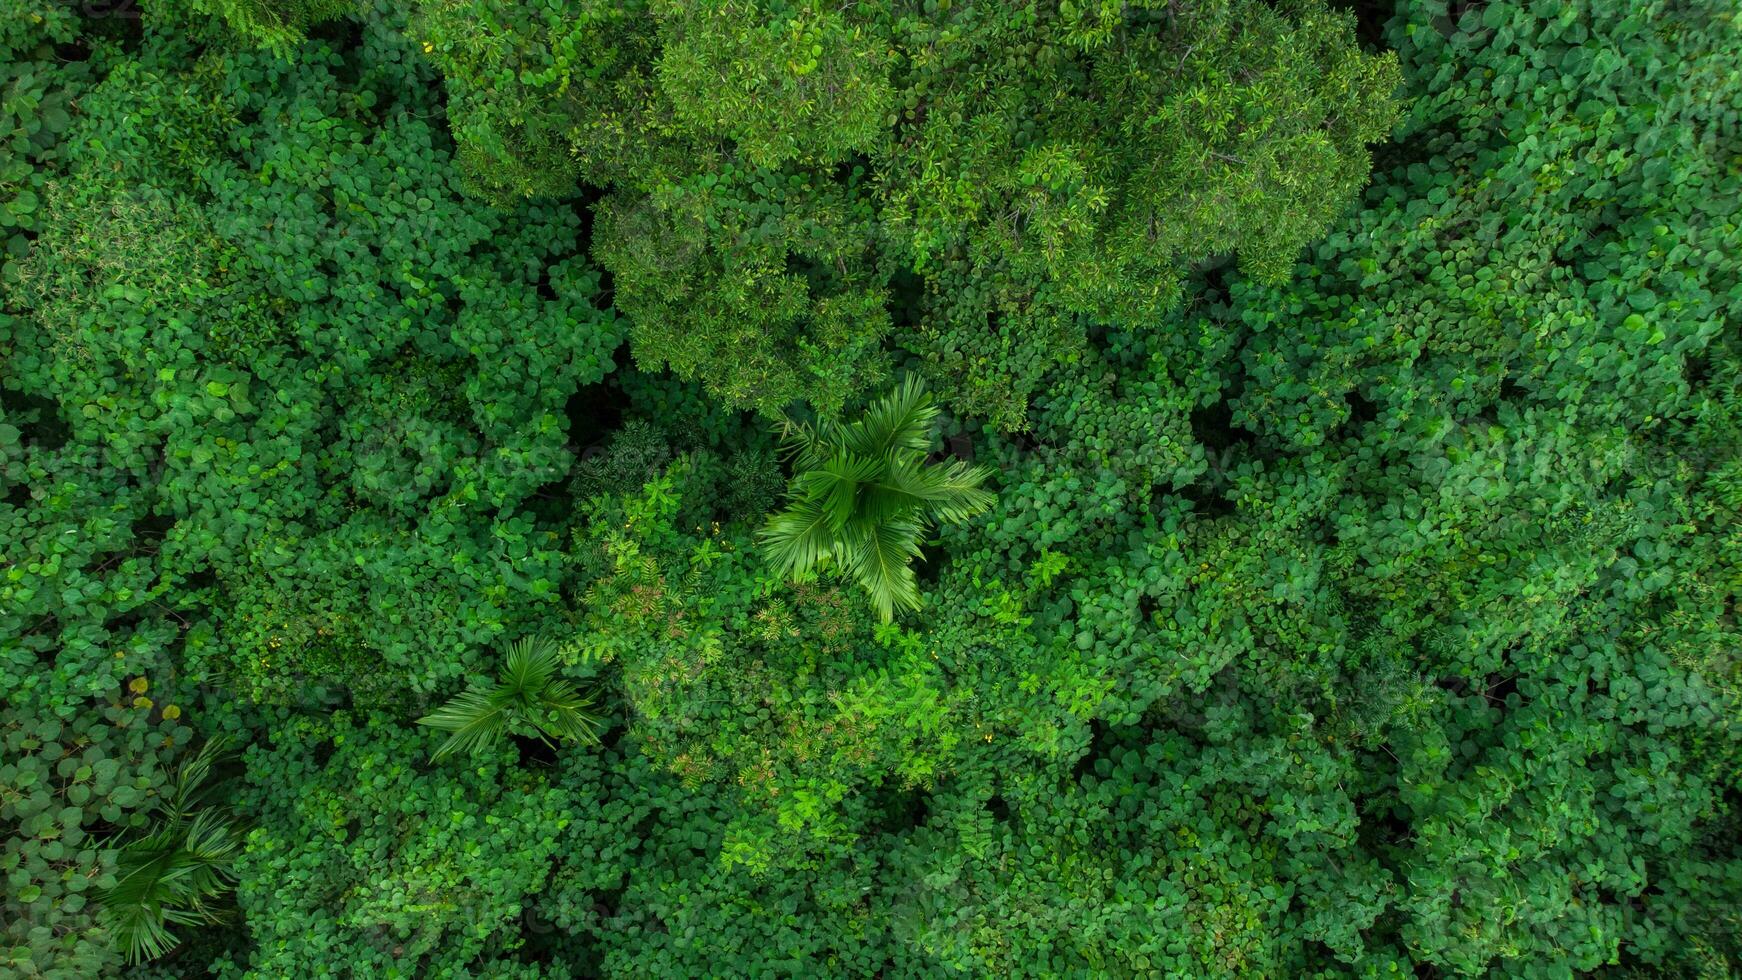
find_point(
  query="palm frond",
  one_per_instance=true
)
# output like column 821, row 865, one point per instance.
column 863, row 496
column 799, row 538
column 528, row 697
column 211, row 842
column 956, row 492
column 562, row 713
column 807, row 445
column 900, row 420
column 530, row 663
column 835, row 484
column 908, row 484
column 172, row 873
column 190, row 779
column 880, row 560
column 139, row 930
column 475, row 718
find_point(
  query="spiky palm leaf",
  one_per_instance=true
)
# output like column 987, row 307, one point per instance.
column 902, row 419
column 527, row 698
column 800, row 538
column 172, row 875
column 949, row 491
column 879, row 556
column 863, row 497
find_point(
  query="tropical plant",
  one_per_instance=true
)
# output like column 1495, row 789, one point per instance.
column 171, row 875
column 526, row 699
column 863, row 496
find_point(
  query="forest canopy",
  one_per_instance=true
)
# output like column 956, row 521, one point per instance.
column 894, row 488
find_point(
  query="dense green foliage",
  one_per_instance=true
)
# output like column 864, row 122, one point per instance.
column 1322, row 557
column 775, row 168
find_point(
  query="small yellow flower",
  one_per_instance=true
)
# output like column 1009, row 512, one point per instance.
column 428, row 47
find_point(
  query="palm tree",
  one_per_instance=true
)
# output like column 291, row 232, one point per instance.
column 526, row 699
column 171, row 875
column 863, row 497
